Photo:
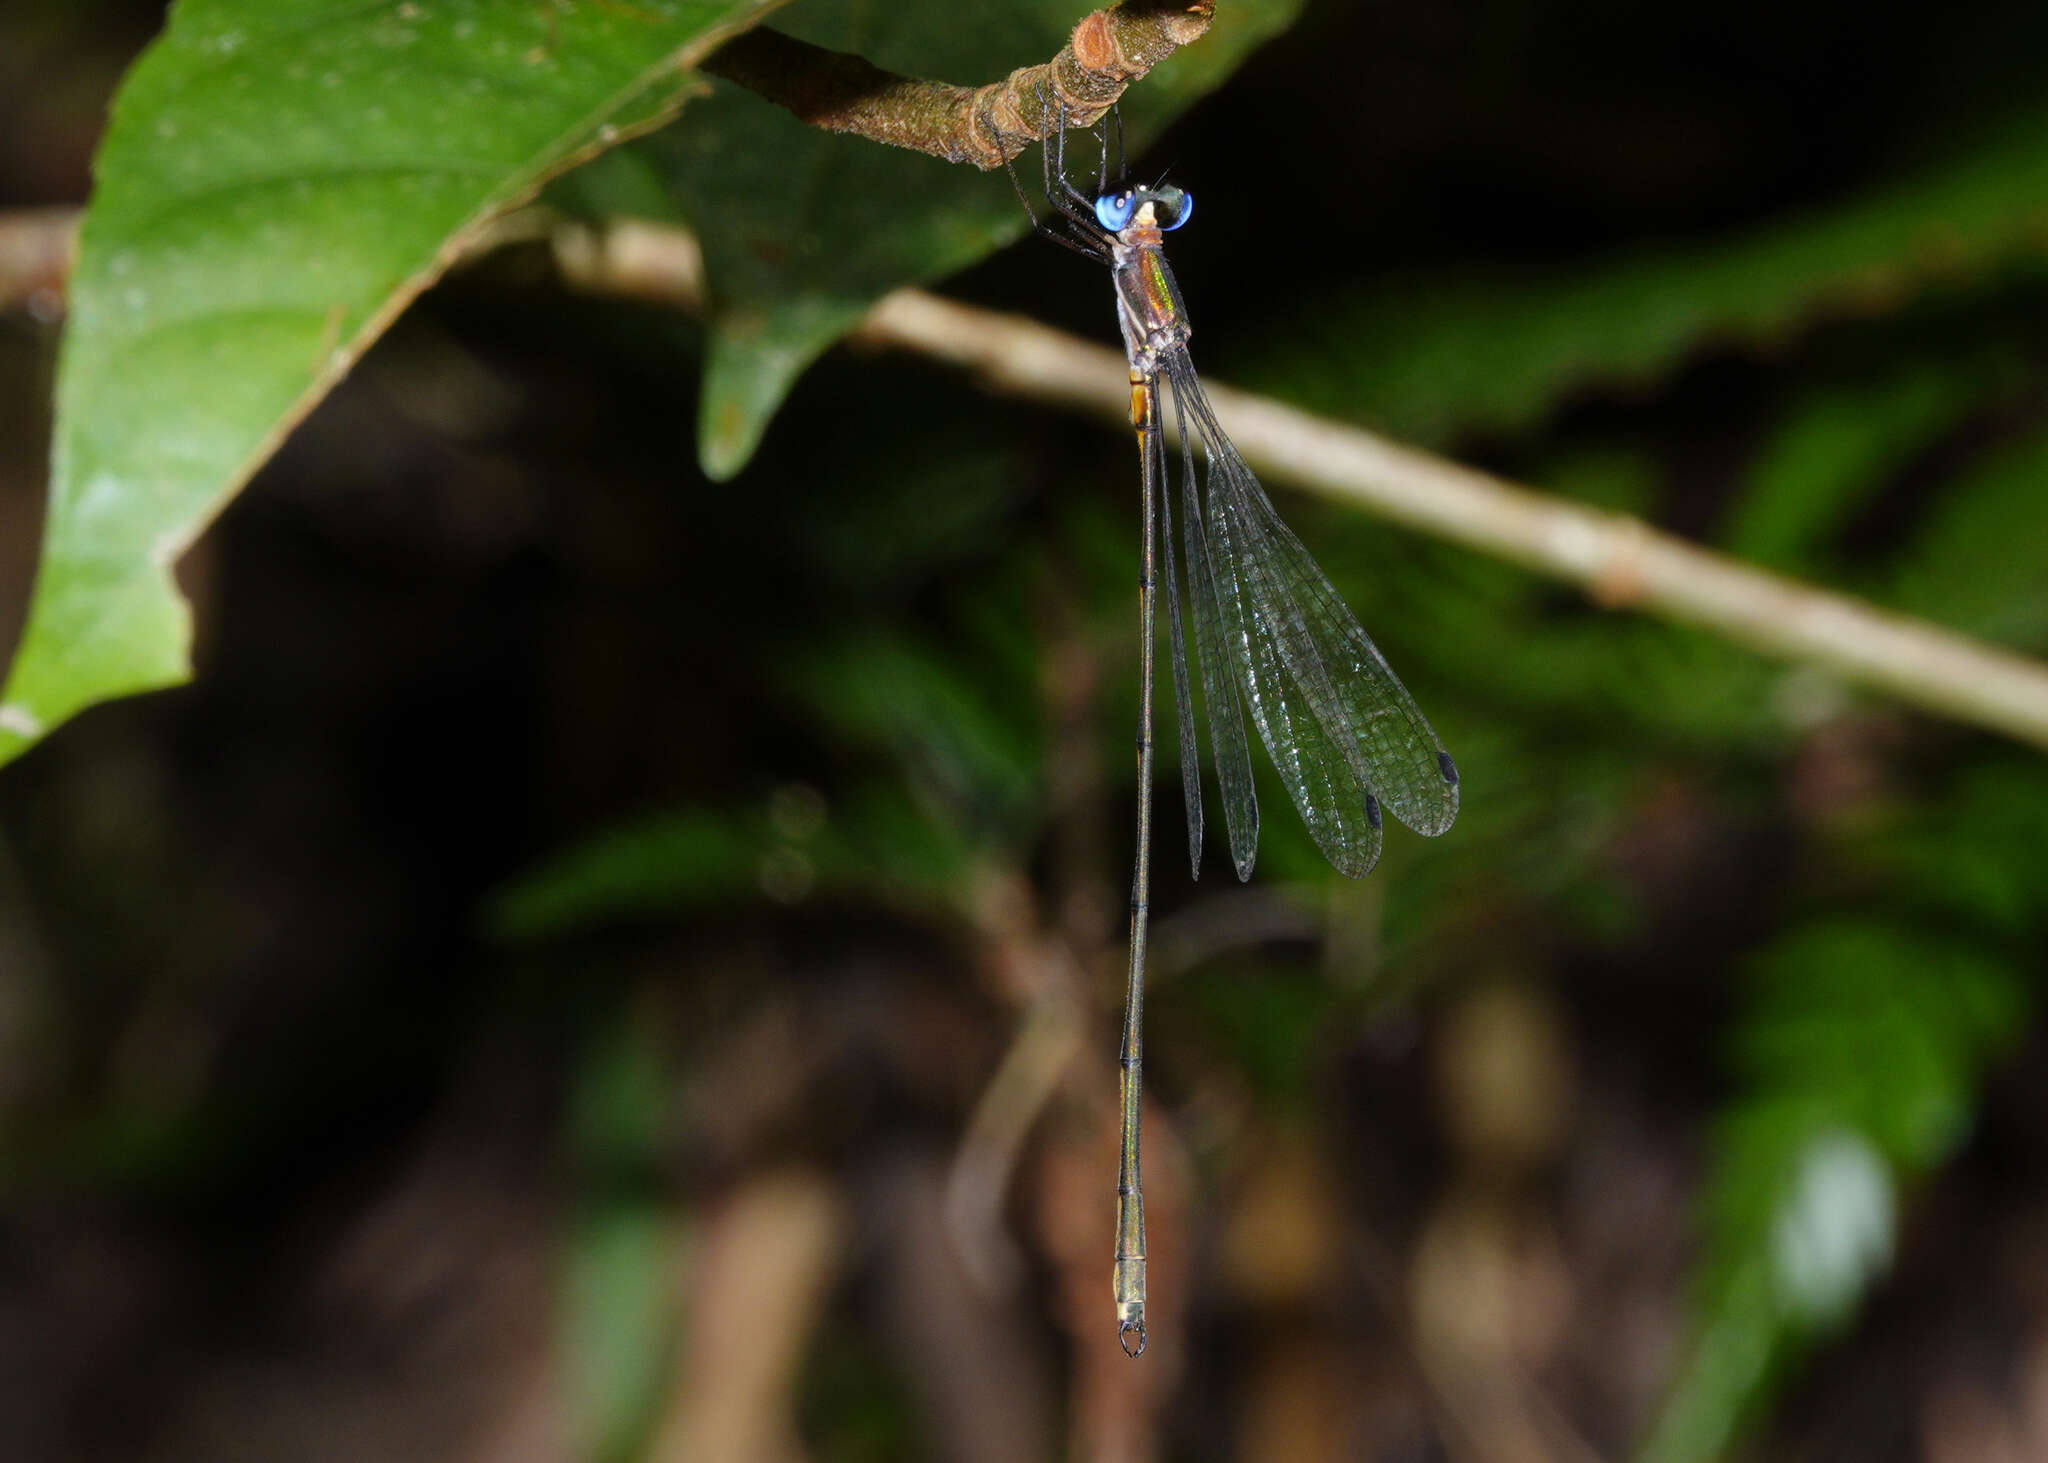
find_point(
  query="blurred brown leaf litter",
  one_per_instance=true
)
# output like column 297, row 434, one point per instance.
column 608, row 965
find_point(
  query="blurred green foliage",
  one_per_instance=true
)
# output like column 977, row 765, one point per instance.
column 944, row 568
column 1859, row 1049
column 1428, row 360
column 619, row 1331
column 277, row 181
column 1902, row 456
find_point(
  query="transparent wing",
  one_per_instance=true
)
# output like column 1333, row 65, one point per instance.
column 1156, row 503
column 1404, row 758
column 1286, row 686
column 1227, row 741
column 1351, row 693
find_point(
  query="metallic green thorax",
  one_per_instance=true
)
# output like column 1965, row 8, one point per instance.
column 1148, row 302
column 1276, row 643
column 1155, row 325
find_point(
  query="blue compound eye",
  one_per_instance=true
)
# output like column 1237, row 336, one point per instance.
column 1172, row 207
column 1114, row 209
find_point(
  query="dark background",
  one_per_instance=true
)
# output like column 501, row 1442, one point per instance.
column 527, row 997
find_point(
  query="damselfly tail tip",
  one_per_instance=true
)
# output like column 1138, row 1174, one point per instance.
column 1130, row 1335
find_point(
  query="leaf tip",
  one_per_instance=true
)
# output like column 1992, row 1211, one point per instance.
column 728, row 437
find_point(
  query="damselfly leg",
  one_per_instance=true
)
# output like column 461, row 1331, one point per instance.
column 1274, row 639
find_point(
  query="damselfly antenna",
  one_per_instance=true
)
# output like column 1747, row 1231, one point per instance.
column 1272, row 636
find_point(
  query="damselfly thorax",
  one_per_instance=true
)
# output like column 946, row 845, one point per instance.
column 1149, row 306
column 1273, row 641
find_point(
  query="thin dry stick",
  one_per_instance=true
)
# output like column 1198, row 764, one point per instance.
column 983, row 125
column 1035, row 971
column 35, row 257
column 1622, row 561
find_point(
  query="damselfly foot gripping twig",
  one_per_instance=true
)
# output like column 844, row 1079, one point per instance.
column 1272, row 637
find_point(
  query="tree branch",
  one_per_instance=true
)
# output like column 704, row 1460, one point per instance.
column 1621, row 562
column 983, row 125
column 35, row 257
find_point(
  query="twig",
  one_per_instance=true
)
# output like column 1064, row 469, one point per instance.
column 763, row 1269
column 1040, row 975
column 35, row 256
column 1621, row 561
column 983, row 125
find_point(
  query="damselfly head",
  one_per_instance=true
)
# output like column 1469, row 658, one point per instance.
column 1171, row 206
column 1165, row 208
column 1114, row 210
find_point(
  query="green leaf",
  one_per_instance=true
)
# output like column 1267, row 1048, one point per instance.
column 279, row 179
column 618, row 1315
column 1834, row 450
column 658, row 866
column 1971, row 856
column 1981, row 561
column 803, row 230
column 1269, row 1017
column 617, row 1326
column 1430, row 359
column 872, row 841
column 964, row 753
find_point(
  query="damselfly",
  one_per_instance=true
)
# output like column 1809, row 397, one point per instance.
column 1272, row 636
